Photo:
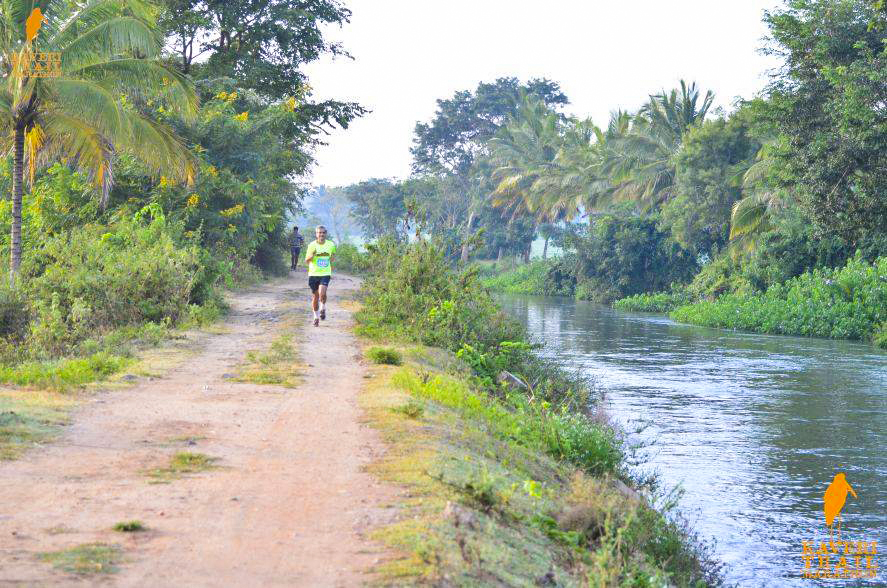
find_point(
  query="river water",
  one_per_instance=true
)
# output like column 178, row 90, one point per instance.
column 752, row 427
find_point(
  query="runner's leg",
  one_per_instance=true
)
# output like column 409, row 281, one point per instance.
column 322, row 291
column 315, row 296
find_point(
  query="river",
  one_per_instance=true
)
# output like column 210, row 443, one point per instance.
column 752, row 427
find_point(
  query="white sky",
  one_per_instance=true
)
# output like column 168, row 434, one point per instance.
column 605, row 54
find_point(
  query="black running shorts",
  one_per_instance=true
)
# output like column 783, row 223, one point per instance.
column 314, row 282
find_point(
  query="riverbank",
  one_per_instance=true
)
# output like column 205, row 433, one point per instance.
column 849, row 302
column 514, row 477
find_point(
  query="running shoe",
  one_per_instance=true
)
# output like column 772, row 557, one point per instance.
column 323, row 314
column 316, row 322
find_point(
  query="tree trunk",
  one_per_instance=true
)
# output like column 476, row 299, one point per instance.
column 464, row 256
column 499, row 256
column 18, row 173
column 527, row 253
column 545, row 249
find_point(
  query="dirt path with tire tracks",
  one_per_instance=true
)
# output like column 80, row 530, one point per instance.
column 288, row 505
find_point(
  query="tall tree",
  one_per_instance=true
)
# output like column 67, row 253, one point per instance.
column 829, row 102
column 109, row 49
column 262, row 44
column 450, row 144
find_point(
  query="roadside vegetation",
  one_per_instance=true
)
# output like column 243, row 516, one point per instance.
column 515, row 476
column 139, row 185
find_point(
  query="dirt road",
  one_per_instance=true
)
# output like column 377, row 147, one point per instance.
column 289, row 504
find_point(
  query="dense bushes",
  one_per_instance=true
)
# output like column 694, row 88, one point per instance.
column 349, row 259
column 413, row 292
column 78, row 285
column 848, row 302
column 522, row 279
column 618, row 256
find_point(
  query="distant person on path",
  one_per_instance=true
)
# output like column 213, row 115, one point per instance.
column 319, row 257
column 296, row 242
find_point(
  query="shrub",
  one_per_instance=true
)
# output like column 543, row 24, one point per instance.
column 384, row 355
column 619, row 256
column 14, row 313
column 523, row 279
column 350, row 260
column 129, row 527
column 122, row 274
column 413, row 291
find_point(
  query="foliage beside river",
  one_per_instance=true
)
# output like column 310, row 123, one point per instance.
column 844, row 303
column 515, row 478
column 660, row 302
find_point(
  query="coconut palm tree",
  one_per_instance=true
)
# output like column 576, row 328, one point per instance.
column 646, row 155
column 522, row 152
column 109, row 65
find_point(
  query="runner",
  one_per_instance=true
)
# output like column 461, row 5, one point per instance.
column 296, row 242
column 319, row 257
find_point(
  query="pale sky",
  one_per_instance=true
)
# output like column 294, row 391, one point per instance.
column 605, row 54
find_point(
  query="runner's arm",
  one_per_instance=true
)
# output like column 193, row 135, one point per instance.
column 309, row 254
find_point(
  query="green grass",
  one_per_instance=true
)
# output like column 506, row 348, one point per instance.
column 63, row 374
column 567, row 437
column 411, row 409
column 182, row 464
column 278, row 366
column 30, row 417
column 87, row 559
column 384, row 355
column 521, row 279
column 130, row 527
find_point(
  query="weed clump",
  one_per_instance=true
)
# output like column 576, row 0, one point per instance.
column 129, row 526
column 277, row 366
column 86, row 559
column 385, row 355
column 411, row 409
column 181, row 464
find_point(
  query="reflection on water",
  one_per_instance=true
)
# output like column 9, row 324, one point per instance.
column 753, row 427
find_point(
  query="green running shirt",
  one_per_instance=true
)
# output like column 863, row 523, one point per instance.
column 321, row 264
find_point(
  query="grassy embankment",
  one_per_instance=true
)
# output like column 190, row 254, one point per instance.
column 508, row 485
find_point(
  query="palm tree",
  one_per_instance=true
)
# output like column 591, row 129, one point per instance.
column 109, row 64
column 645, row 157
column 752, row 215
column 522, row 152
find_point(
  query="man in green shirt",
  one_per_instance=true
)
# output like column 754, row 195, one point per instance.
column 319, row 257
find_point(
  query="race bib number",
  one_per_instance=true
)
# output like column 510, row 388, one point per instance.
column 323, row 262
